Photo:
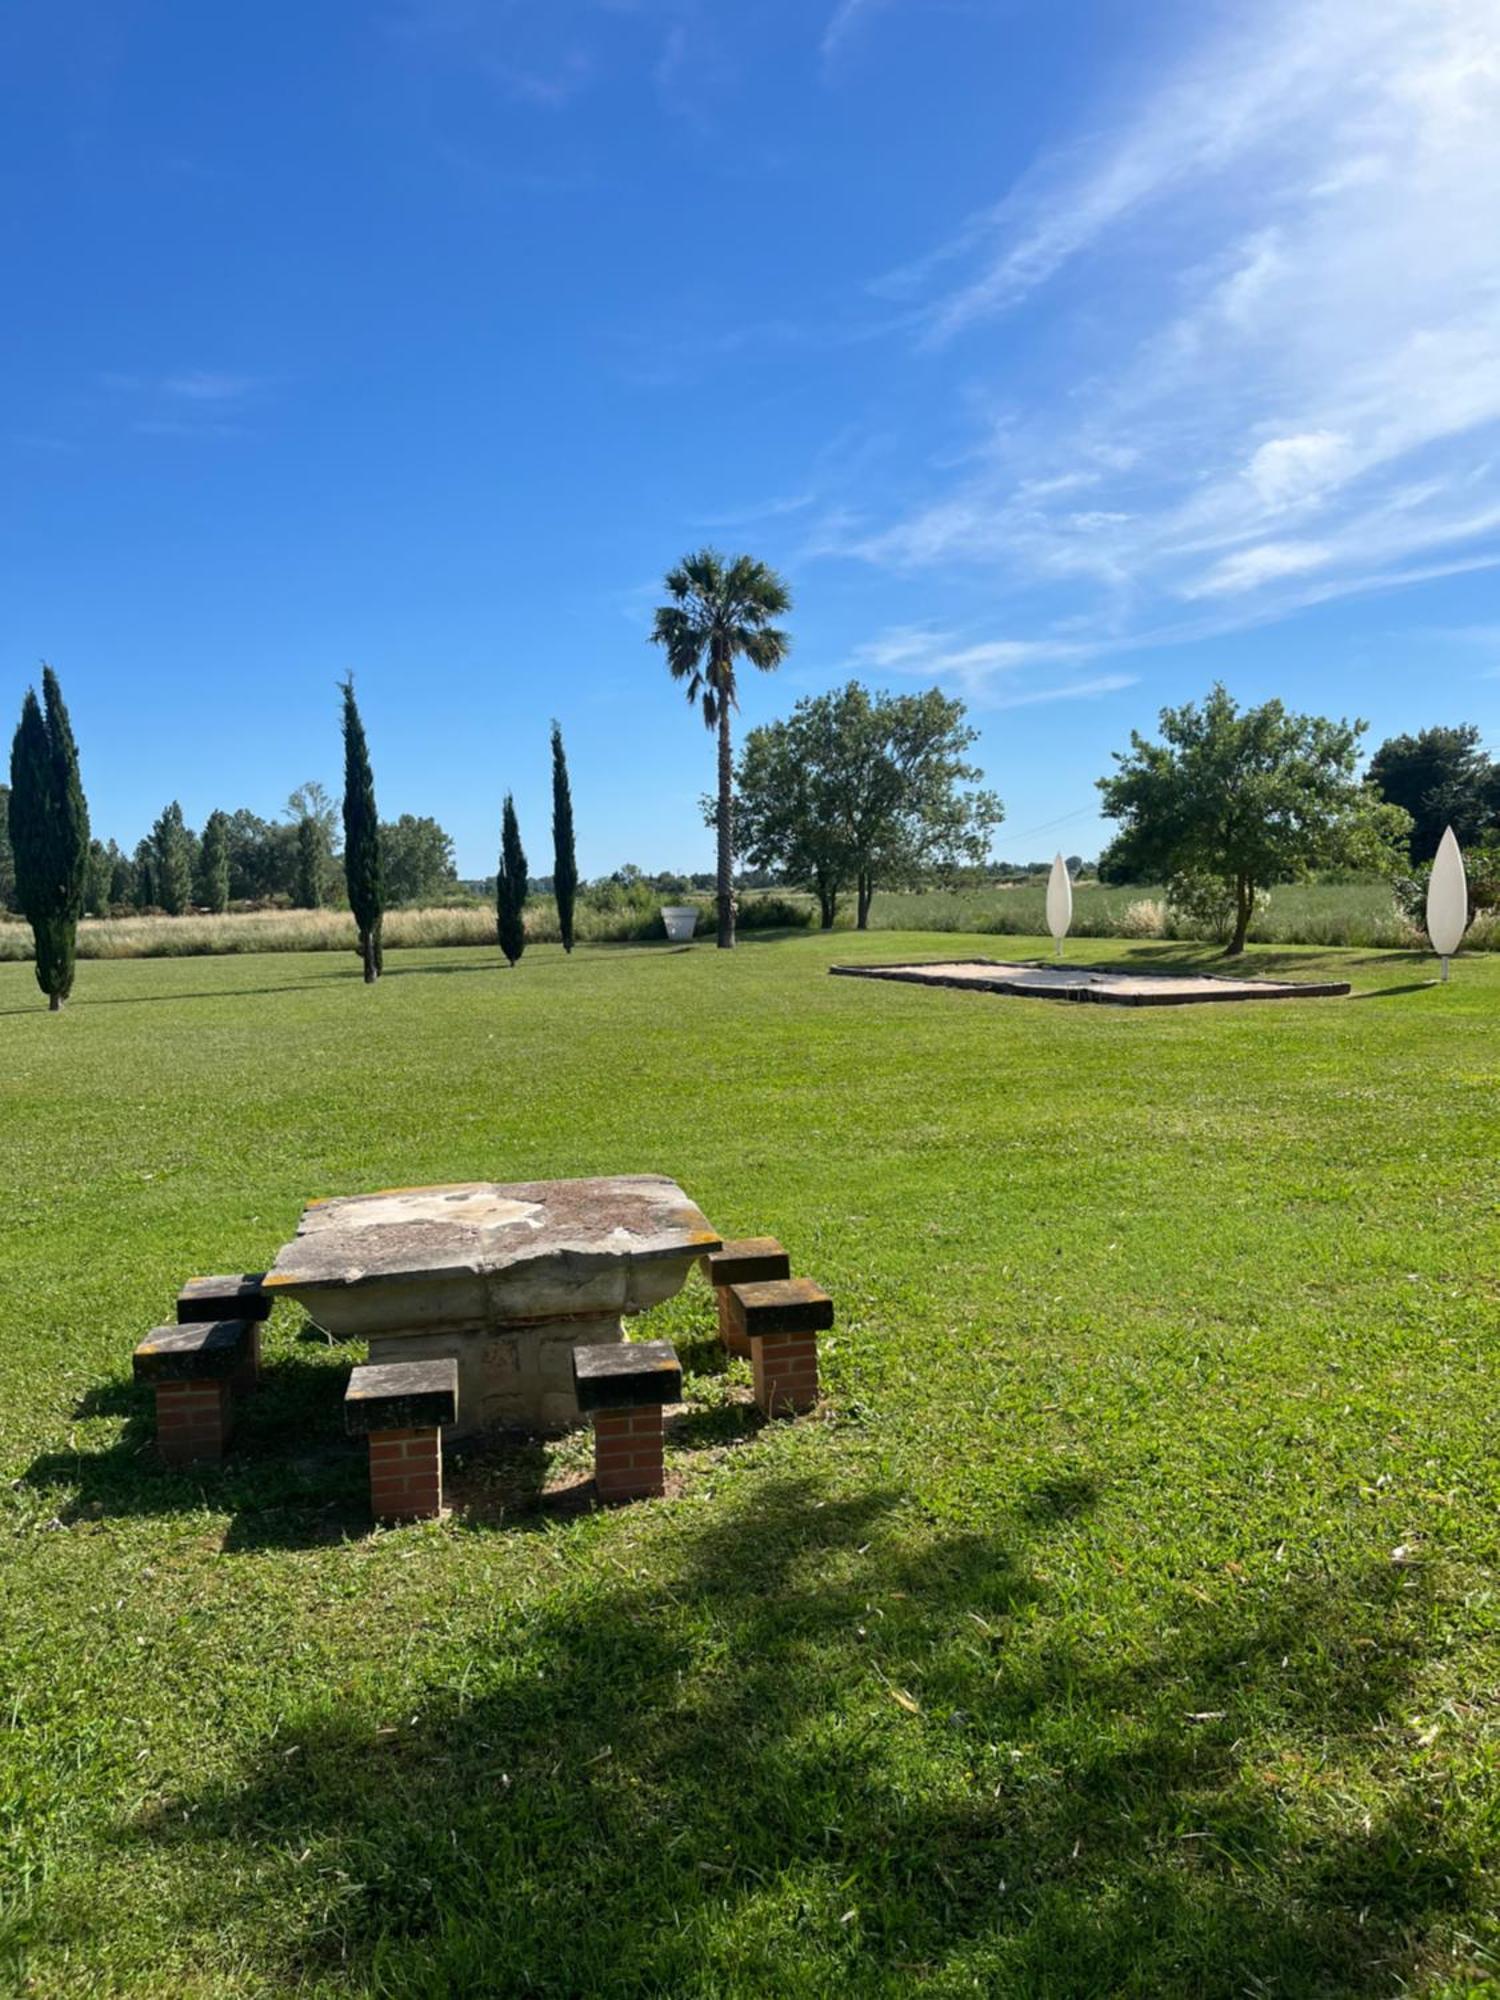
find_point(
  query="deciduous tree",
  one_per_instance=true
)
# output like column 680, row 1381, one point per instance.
column 1442, row 778
column 860, row 790
column 418, row 859
column 1249, row 798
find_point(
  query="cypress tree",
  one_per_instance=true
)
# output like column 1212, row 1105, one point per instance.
column 49, row 835
column 510, row 886
column 172, row 861
column 362, row 869
column 564, row 860
column 213, row 863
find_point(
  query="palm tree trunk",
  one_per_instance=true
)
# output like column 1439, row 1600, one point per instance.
column 726, row 831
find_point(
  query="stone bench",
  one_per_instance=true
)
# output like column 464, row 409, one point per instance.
column 747, row 1261
column 624, row 1386
column 193, row 1369
column 238, row 1296
column 401, row 1407
column 780, row 1320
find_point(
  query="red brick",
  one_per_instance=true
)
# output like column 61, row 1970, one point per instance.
column 193, row 1421
column 786, row 1374
column 406, row 1474
column 628, row 1453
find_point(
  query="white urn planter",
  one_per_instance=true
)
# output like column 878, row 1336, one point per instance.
column 681, row 920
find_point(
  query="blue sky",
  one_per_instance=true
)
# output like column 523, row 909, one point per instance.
column 1072, row 355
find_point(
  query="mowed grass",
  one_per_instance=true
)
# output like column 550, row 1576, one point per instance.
column 1125, row 1624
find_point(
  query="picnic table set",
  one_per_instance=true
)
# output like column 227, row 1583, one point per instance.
column 490, row 1307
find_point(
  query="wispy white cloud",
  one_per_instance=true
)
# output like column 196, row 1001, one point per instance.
column 760, row 510
column 190, row 403
column 203, row 385
column 534, row 55
column 1281, row 281
column 1102, row 684
column 984, row 669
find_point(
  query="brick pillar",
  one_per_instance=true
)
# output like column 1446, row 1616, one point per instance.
column 786, row 1372
column 406, row 1473
column 193, row 1420
column 628, row 1453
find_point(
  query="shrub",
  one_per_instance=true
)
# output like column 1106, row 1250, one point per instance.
column 773, row 913
column 1144, row 919
column 1203, row 906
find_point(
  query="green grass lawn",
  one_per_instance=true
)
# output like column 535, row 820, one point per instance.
column 1125, row 1624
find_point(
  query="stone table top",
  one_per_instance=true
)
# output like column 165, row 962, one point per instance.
column 485, row 1253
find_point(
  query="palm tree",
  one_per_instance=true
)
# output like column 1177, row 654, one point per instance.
column 721, row 612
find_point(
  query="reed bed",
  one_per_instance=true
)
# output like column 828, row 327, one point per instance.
column 625, row 920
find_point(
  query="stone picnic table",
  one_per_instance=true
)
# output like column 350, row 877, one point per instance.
column 504, row 1279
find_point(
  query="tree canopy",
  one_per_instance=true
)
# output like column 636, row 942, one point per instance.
column 1442, row 778
column 1245, row 799
column 213, row 862
column 418, row 858
column 855, row 790
column 172, row 859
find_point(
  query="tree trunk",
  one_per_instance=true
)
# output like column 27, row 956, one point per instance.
column 1244, row 910
column 726, row 830
column 54, row 1003
column 828, row 904
column 367, row 953
column 865, row 894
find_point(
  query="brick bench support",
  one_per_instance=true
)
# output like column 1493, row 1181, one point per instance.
column 192, row 1369
column 624, row 1387
column 239, row 1296
column 749, row 1260
column 401, row 1407
column 781, row 1320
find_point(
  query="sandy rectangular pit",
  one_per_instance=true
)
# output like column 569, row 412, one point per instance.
column 1040, row 981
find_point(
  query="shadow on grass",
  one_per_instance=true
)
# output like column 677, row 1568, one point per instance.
column 83, row 1001
column 1063, row 1498
column 291, row 1479
column 796, row 1746
column 716, row 1426
column 1191, row 957
column 1391, row 992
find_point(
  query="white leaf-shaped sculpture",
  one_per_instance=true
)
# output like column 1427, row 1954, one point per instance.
column 1447, row 899
column 1059, row 902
